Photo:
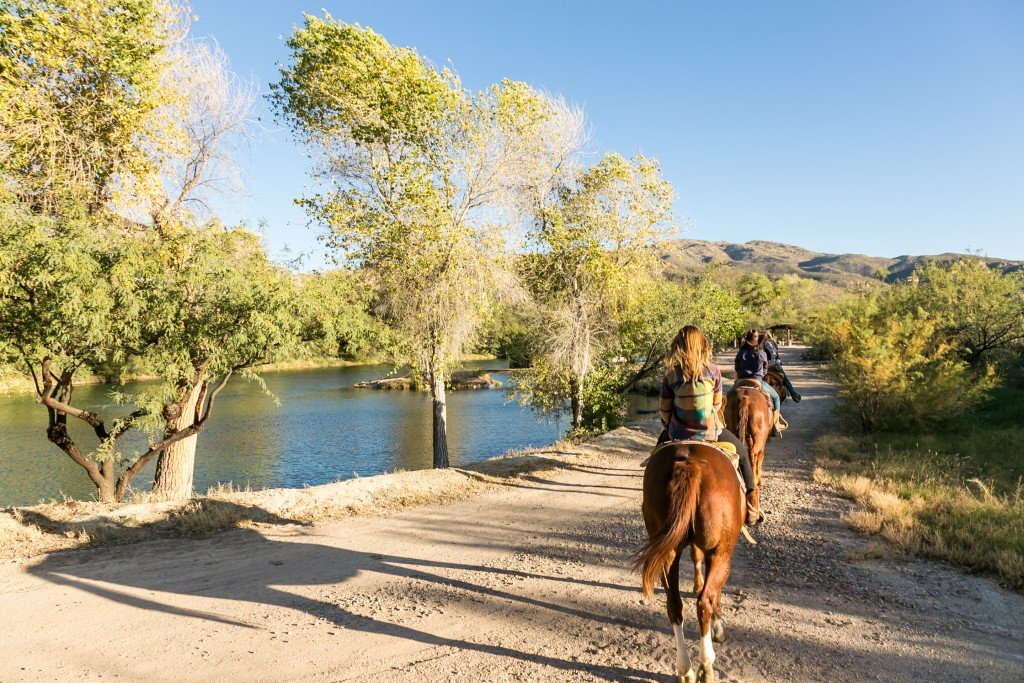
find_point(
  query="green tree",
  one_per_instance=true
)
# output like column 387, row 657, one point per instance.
column 977, row 309
column 215, row 305
column 594, row 251
column 333, row 313
column 113, row 130
column 758, row 293
column 78, row 81
column 666, row 306
column 418, row 179
column 893, row 368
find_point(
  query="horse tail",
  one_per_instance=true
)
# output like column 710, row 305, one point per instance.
column 743, row 430
column 654, row 558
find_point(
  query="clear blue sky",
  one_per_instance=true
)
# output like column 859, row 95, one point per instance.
column 878, row 127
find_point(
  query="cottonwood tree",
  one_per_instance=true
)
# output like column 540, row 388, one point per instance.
column 420, row 179
column 594, row 248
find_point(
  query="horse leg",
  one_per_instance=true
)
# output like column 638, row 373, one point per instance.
column 675, row 615
column 757, row 460
column 697, row 555
column 707, row 605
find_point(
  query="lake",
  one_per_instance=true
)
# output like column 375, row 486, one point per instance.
column 322, row 430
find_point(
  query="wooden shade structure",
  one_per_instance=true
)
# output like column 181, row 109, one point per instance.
column 788, row 327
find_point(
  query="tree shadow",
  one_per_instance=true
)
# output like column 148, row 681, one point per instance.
column 294, row 563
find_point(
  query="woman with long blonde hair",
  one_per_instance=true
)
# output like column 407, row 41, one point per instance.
column 691, row 402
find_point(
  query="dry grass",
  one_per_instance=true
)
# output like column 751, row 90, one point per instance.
column 920, row 503
column 873, row 550
column 31, row 531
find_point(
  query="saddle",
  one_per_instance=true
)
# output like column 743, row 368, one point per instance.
column 751, row 383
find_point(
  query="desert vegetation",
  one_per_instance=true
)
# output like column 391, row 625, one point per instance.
column 929, row 376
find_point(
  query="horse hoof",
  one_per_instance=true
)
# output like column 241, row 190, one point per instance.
column 706, row 675
column 688, row 677
column 718, row 634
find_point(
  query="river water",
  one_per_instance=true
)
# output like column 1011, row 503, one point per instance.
column 320, row 430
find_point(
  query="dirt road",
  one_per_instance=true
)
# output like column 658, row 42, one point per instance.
column 527, row 582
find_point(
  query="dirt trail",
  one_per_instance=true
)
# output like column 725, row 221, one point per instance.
column 524, row 582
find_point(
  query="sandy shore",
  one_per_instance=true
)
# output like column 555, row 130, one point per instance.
column 524, row 579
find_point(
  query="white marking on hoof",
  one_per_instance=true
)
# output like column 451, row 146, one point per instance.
column 688, row 677
column 707, row 659
column 683, row 667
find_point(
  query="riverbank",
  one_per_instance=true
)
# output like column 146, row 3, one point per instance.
column 525, row 579
column 29, row 531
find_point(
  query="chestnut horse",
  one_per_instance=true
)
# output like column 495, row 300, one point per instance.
column 778, row 383
column 691, row 497
column 748, row 415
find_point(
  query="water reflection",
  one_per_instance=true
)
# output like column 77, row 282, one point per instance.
column 321, row 431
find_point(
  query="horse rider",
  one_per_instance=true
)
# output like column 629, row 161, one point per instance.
column 692, row 400
column 752, row 363
column 771, row 352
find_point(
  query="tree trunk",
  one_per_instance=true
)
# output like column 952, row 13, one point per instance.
column 577, row 403
column 175, row 467
column 437, row 396
column 107, row 489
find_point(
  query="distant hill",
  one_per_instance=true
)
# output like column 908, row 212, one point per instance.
column 776, row 259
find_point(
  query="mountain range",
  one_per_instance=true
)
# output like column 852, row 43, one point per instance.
column 688, row 256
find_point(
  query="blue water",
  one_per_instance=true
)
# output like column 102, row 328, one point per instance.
column 322, row 430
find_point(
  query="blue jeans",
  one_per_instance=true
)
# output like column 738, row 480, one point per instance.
column 776, row 401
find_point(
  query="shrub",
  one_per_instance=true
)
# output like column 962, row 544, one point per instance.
column 910, row 356
column 892, row 372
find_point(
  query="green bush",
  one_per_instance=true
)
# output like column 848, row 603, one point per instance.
column 925, row 350
column 893, row 372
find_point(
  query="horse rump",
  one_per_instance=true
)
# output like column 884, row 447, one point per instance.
column 670, row 504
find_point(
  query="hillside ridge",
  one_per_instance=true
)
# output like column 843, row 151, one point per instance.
column 775, row 259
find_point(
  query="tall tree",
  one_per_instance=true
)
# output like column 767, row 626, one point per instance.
column 594, row 248
column 421, row 181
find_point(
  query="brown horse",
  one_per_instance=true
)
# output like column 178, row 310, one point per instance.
column 691, row 497
column 748, row 415
column 777, row 382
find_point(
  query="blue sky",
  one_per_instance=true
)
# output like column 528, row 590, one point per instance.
column 878, row 127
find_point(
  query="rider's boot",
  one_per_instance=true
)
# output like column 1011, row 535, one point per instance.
column 776, row 429
column 796, row 396
column 754, row 515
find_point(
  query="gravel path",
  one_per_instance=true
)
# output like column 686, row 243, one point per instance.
column 527, row 582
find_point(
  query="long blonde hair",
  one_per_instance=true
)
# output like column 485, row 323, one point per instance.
column 690, row 353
